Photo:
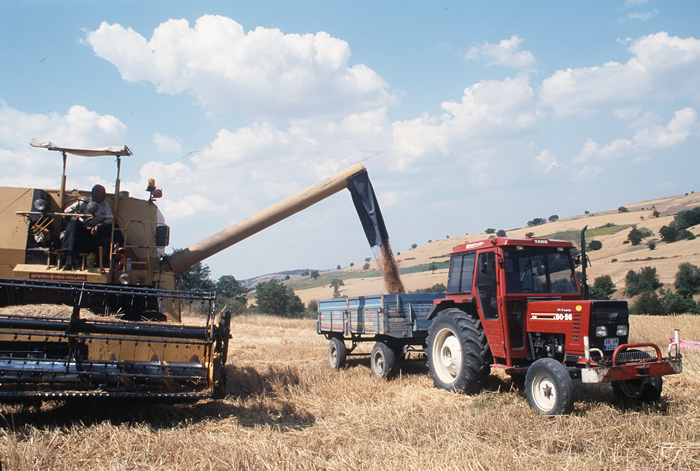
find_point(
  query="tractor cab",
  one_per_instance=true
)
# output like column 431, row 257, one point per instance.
column 499, row 277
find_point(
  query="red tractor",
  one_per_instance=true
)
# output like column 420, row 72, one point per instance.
column 516, row 304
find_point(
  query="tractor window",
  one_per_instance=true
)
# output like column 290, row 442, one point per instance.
column 539, row 271
column 486, row 285
column 461, row 274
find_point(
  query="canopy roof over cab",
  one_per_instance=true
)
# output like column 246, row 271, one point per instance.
column 110, row 150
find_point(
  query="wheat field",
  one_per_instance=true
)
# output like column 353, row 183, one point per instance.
column 286, row 409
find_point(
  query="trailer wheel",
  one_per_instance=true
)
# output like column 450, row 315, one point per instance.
column 337, row 353
column 459, row 357
column 641, row 389
column 382, row 360
column 548, row 387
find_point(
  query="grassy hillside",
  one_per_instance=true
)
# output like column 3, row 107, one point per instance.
column 609, row 227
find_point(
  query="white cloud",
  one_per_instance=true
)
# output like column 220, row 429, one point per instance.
column 548, row 162
column 505, row 53
column 588, row 172
column 388, row 199
column 25, row 166
column 165, row 144
column 678, row 130
column 185, row 207
column 646, row 15
column 489, row 113
column 662, row 67
column 261, row 73
column 80, row 127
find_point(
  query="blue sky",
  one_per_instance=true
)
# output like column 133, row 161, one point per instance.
column 467, row 115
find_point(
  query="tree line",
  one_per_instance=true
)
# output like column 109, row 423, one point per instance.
column 648, row 294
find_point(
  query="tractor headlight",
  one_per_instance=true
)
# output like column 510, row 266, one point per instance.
column 39, row 204
column 124, row 279
column 601, row 331
column 622, row 330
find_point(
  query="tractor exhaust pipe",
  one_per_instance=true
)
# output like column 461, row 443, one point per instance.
column 584, row 262
column 179, row 261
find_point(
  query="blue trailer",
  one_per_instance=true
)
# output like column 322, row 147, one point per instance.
column 396, row 323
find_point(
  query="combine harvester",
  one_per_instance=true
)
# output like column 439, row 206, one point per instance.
column 144, row 351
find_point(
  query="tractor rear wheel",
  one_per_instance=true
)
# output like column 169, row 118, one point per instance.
column 382, row 360
column 337, row 353
column 641, row 389
column 459, row 357
column 548, row 387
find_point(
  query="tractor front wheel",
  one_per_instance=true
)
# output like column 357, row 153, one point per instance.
column 641, row 389
column 548, row 387
column 459, row 357
column 382, row 360
column 337, row 353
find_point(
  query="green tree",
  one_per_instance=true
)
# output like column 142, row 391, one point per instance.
column 595, row 245
column 622, row 209
column 530, row 235
column 678, row 229
column 433, row 267
column 231, row 295
column 687, row 280
column 195, row 278
column 646, row 280
column 501, row 233
column 365, row 266
column 228, row 287
column 314, row 274
column 685, row 234
column 553, row 218
column 605, row 284
column 536, row 222
column 669, row 233
column 635, row 236
column 687, row 218
column 335, row 284
column 674, row 303
column 436, row 288
column 490, row 230
column 312, row 307
column 649, row 303
column 273, row 297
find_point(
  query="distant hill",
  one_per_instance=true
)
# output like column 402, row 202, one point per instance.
column 610, row 227
column 252, row 282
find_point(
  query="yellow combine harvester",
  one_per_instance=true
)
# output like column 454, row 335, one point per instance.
column 117, row 268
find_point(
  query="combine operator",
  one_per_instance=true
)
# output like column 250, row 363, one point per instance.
column 84, row 233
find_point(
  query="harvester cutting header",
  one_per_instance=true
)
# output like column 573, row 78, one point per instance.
column 103, row 251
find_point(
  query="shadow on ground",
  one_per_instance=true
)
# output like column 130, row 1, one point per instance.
column 252, row 399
